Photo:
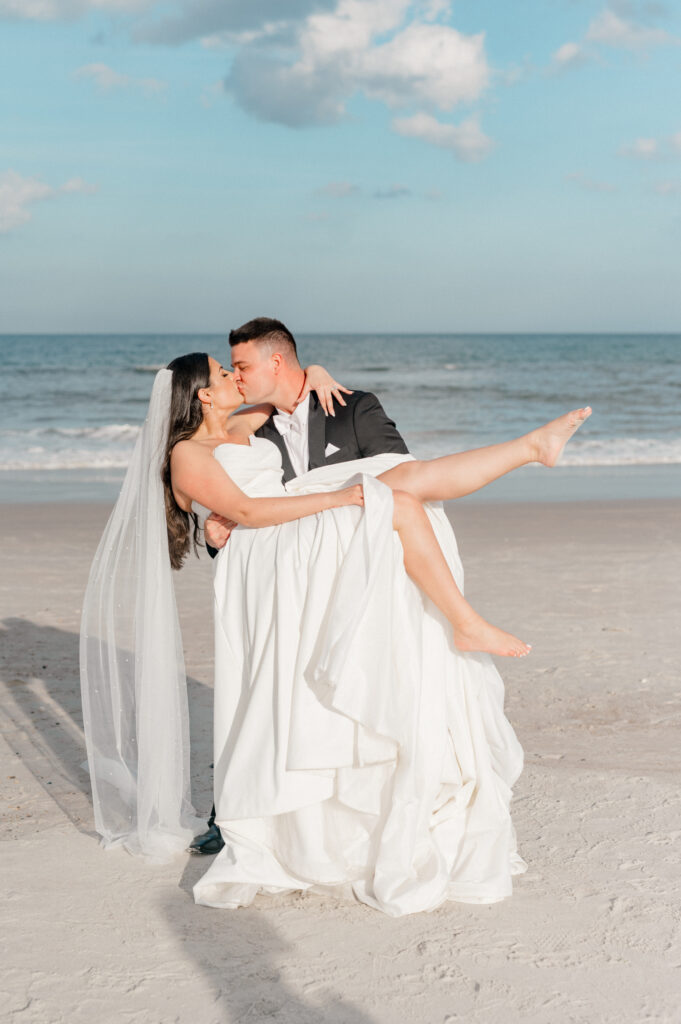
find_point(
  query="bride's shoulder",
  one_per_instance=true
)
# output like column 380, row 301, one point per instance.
column 187, row 450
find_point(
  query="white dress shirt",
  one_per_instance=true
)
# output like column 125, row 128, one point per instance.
column 293, row 428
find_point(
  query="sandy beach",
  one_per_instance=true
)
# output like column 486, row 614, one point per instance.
column 593, row 931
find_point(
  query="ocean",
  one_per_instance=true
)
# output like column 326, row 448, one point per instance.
column 71, row 405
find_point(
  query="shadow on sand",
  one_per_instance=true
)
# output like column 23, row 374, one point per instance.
column 244, row 962
column 239, row 955
column 44, row 720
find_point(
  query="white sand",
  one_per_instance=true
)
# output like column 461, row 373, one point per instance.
column 593, row 931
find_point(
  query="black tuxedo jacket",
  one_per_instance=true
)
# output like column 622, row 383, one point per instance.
column 358, row 430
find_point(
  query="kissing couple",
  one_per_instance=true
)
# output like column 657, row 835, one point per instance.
column 360, row 743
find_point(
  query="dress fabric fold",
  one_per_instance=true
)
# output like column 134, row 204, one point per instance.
column 356, row 750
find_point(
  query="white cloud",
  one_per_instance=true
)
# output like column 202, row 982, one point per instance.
column 590, row 184
column 106, row 79
column 426, row 64
column 365, row 46
column 466, row 140
column 64, row 10
column 611, row 29
column 668, row 188
column 17, row 194
column 569, row 55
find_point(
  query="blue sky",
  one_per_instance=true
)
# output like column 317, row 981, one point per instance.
column 346, row 165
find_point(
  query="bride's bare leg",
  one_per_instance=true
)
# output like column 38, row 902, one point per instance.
column 453, row 476
column 426, row 565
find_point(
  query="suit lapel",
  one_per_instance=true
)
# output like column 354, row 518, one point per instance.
column 269, row 431
column 316, row 433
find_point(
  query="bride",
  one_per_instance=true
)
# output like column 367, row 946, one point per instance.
column 360, row 743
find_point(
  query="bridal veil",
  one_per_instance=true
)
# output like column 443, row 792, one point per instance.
column 133, row 680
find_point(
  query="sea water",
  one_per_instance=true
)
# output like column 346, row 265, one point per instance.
column 71, row 405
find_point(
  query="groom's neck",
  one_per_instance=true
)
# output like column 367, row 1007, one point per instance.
column 289, row 385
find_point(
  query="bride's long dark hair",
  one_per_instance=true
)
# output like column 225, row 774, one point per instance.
column 190, row 373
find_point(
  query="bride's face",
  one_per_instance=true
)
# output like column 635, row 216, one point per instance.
column 222, row 390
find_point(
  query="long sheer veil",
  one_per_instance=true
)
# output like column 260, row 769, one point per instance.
column 133, row 680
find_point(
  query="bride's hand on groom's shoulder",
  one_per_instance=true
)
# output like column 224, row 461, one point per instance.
column 319, row 380
column 217, row 530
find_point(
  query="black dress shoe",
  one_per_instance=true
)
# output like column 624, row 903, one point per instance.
column 208, row 842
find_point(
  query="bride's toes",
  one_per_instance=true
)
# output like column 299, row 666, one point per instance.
column 550, row 439
column 518, row 649
column 481, row 636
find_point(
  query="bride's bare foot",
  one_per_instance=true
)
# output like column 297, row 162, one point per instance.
column 548, row 441
column 478, row 635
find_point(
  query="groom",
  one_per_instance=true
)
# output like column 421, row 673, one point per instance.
column 266, row 369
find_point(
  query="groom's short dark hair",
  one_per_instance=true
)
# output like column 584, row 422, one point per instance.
column 265, row 329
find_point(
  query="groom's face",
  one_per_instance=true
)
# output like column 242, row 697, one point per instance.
column 254, row 373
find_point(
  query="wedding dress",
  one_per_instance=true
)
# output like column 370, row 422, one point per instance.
column 356, row 750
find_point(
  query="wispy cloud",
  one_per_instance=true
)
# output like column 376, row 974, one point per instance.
column 77, row 185
column 652, row 149
column 227, row 22
column 466, row 140
column 241, row 22
column 106, row 80
column 18, row 194
column 668, row 188
column 641, row 149
column 588, row 184
column 392, row 192
column 613, row 29
column 347, row 190
column 339, row 190
column 66, row 10
column 618, row 26
column 226, row 40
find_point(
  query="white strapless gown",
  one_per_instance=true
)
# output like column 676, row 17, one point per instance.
column 356, row 750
